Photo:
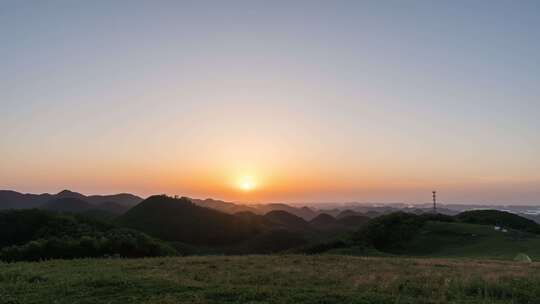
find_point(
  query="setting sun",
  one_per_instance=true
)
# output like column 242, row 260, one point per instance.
column 247, row 184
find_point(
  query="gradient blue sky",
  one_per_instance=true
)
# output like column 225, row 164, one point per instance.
column 312, row 100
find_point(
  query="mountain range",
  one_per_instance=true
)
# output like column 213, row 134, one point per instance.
column 119, row 203
column 186, row 224
column 15, row 200
column 64, row 224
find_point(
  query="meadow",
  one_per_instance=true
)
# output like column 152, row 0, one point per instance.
column 270, row 279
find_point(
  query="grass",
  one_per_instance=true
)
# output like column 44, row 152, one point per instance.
column 270, row 279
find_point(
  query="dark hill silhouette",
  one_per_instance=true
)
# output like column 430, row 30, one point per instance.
column 69, row 194
column 354, row 221
column 124, row 199
column 222, row 206
column 15, row 200
column 104, row 210
column 232, row 208
column 112, row 207
column 287, row 220
column 372, row 214
column 501, row 218
column 323, row 220
column 251, row 218
column 346, row 213
column 304, row 212
column 180, row 220
column 67, row 204
column 326, row 222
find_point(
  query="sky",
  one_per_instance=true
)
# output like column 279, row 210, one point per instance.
column 273, row 101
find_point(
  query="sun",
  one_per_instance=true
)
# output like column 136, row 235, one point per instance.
column 247, row 184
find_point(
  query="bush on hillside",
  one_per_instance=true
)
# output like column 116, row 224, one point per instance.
column 30, row 235
column 438, row 217
column 21, row 226
column 389, row 232
column 116, row 242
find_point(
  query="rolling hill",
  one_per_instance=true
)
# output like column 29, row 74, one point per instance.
column 303, row 212
column 66, row 204
column 346, row 213
column 15, row 200
column 106, row 210
column 354, row 221
column 223, row 206
column 287, row 220
column 323, row 221
column 430, row 235
column 180, row 220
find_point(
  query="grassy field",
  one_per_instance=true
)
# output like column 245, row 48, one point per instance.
column 270, row 279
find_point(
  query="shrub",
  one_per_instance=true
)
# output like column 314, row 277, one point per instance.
column 389, row 232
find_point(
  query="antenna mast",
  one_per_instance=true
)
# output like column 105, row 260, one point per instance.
column 434, row 201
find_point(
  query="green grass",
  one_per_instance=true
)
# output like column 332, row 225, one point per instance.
column 441, row 239
column 270, row 279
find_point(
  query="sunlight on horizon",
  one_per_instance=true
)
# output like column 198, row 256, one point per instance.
column 247, row 184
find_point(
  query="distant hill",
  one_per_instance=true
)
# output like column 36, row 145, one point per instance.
column 346, row 213
column 222, row 206
column 304, row 212
column 124, row 199
column 287, row 220
column 324, row 221
column 75, row 205
column 228, row 207
column 180, row 220
column 355, row 221
column 250, row 218
column 373, row 214
column 112, row 207
column 15, row 200
column 66, row 204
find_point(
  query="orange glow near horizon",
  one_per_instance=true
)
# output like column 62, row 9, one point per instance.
column 247, row 184
column 253, row 175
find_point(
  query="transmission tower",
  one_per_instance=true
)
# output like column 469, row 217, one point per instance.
column 434, row 201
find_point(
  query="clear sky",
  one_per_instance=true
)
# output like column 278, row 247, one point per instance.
column 314, row 101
